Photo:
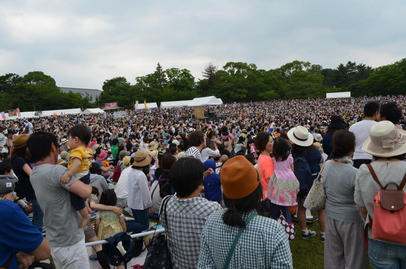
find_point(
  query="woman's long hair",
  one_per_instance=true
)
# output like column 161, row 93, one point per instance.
column 236, row 207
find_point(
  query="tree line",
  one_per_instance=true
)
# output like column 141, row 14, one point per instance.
column 234, row 82
column 240, row 82
column 36, row 91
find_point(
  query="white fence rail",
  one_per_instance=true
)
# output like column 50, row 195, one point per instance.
column 101, row 242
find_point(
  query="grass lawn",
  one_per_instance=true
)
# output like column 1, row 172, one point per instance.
column 308, row 253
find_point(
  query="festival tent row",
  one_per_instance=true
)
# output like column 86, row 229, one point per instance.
column 196, row 102
column 93, row 111
column 146, row 106
column 47, row 113
column 206, row 101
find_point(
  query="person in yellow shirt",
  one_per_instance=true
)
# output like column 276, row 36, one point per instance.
column 78, row 167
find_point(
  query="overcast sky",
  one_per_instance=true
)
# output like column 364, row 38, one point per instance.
column 82, row 43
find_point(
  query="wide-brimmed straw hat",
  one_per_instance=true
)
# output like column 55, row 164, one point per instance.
column 385, row 140
column 300, row 136
column 142, row 158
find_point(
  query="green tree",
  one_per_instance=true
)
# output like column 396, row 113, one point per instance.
column 118, row 90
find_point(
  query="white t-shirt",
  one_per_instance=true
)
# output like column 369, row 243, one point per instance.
column 139, row 197
column 361, row 131
column 208, row 152
column 121, row 188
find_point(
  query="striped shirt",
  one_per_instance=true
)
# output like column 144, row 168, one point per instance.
column 194, row 152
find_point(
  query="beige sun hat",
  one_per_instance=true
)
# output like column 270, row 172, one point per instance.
column 385, row 140
column 142, row 158
column 153, row 145
column 300, row 136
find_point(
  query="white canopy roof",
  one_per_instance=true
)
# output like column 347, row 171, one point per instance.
column 175, row 104
column 149, row 106
column 59, row 112
column 93, row 111
column 206, row 101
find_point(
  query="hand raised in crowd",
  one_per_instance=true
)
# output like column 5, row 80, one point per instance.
column 208, row 172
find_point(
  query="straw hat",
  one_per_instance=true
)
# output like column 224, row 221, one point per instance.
column 300, row 136
column 20, row 141
column 153, row 145
column 239, row 178
column 385, row 140
column 126, row 161
column 142, row 158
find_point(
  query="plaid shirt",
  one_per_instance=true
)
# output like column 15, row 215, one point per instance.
column 263, row 244
column 186, row 219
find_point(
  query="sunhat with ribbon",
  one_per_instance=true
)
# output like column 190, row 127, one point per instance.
column 385, row 140
column 300, row 136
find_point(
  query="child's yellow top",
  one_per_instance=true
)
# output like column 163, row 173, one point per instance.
column 84, row 155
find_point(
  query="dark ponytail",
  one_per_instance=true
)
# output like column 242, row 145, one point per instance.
column 236, row 207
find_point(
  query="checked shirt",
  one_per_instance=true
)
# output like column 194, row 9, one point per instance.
column 263, row 244
column 186, row 219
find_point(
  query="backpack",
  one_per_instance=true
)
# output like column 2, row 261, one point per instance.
column 112, row 249
column 303, row 173
column 389, row 221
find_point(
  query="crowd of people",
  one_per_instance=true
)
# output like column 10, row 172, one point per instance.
column 226, row 188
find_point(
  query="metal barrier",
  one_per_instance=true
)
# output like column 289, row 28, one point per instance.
column 101, row 242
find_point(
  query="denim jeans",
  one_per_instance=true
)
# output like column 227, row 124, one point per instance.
column 37, row 215
column 386, row 256
column 277, row 210
column 140, row 222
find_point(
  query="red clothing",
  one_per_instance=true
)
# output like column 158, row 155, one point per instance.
column 265, row 168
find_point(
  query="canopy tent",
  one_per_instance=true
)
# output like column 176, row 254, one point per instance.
column 93, row 111
column 338, row 95
column 23, row 115
column 149, row 106
column 206, row 101
column 45, row 113
column 171, row 104
column 199, row 101
column 58, row 112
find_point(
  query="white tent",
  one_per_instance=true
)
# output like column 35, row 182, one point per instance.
column 338, row 95
column 59, row 112
column 149, row 106
column 206, row 101
column 175, row 104
column 93, row 111
column 23, row 115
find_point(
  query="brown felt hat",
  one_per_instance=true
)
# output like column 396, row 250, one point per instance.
column 239, row 178
column 20, row 141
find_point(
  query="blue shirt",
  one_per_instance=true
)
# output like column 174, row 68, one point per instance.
column 16, row 233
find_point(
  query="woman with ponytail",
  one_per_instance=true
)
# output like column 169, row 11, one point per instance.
column 237, row 237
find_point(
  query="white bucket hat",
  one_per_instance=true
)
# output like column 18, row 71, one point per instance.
column 385, row 140
column 300, row 136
